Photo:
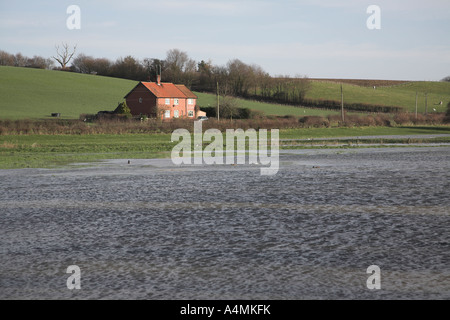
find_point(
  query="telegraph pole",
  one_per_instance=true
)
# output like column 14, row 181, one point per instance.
column 416, row 104
column 218, row 103
column 342, row 105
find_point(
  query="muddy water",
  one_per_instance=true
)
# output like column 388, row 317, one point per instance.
column 150, row 230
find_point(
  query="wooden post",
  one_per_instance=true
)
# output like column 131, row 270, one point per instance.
column 416, row 104
column 218, row 102
column 426, row 103
column 342, row 105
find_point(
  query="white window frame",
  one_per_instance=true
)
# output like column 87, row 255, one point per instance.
column 176, row 113
column 190, row 113
column 167, row 102
column 176, row 102
column 167, row 114
column 141, row 100
column 190, row 101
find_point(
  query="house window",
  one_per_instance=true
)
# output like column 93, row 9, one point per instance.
column 190, row 101
column 176, row 114
column 190, row 113
column 167, row 114
column 140, row 100
column 176, row 102
column 167, row 102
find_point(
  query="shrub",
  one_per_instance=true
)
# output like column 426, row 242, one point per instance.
column 402, row 118
column 123, row 109
column 314, row 121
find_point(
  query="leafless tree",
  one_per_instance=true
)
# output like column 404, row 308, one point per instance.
column 6, row 59
column 179, row 67
column 129, row 68
column 20, row 60
column 64, row 55
column 83, row 63
column 39, row 62
column 229, row 108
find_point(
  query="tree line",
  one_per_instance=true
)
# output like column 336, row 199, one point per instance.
column 19, row 60
column 236, row 78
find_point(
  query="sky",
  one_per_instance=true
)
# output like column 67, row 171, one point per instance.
column 317, row 39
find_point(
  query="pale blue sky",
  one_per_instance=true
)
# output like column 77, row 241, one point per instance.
column 325, row 38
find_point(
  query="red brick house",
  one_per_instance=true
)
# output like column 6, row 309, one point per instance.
column 160, row 99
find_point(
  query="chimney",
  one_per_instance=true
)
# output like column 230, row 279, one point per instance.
column 158, row 76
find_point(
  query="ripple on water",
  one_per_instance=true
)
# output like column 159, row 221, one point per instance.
column 154, row 231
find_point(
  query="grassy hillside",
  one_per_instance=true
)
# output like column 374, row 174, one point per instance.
column 206, row 99
column 390, row 93
column 34, row 93
column 402, row 95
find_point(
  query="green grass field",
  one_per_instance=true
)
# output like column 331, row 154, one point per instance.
column 35, row 93
column 46, row 151
column 206, row 99
column 43, row 151
column 403, row 95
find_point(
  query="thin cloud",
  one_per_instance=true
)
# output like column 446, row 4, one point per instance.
column 195, row 7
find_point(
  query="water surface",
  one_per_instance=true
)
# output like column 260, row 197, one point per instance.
column 150, row 230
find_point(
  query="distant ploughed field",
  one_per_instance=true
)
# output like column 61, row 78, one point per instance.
column 365, row 82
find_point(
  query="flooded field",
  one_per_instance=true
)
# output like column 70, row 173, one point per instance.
column 151, row 230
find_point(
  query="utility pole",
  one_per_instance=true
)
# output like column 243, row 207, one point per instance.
column 426, row 103
column 416, row 104
column 342, row 105
column 218, row 103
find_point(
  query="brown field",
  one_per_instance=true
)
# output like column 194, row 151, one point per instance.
column 364, row 82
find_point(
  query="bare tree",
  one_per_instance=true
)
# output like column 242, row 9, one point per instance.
column 83, row 63
column 20, row 60
column 64, row 55
column 129, row 68
column 39, row 62
column 152, row 67
column 229, row 108
column 179, row 67
column 6, row 59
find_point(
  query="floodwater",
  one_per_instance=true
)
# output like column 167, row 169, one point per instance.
column 151, row 230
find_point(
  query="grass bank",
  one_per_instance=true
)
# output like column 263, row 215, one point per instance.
column 46, row 151
column 36, row 94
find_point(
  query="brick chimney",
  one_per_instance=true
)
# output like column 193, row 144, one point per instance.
column 158, row 76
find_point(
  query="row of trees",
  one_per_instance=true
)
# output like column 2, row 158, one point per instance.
column 236, row 78
column 19, row 60
column 177, row 67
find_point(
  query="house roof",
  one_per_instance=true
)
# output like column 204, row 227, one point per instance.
column 188, row 93
column 168, row 90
